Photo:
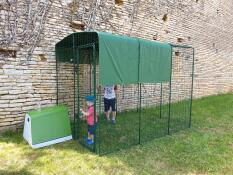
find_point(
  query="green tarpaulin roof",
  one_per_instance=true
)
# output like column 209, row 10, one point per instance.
column 121, row 59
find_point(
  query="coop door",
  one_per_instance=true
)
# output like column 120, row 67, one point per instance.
column 86, row 85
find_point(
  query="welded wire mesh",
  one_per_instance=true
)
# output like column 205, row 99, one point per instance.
column 181, row 88
column 144, row 111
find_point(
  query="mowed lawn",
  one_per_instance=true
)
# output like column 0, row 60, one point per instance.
column 206, row 148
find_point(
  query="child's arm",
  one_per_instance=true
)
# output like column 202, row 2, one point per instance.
column 115, row 88
column 84, row 113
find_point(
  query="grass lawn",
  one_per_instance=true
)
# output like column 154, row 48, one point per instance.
column 152, row 124
column 206, row 148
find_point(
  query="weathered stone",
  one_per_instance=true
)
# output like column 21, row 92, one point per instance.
column 8, row 97
column 12, row 105
column 4, row 124
column 7, row 120
column 3, row 92
column 13, row 72
column 28, row 108
column 8, row 66
column 36, row 80
column 17, row 91
column 4, row 105
column 16, row 122
column 18, row 109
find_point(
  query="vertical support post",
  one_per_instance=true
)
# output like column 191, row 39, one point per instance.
column 91, row 58
column 74, row 127
column 161, row 100
column 140, row 95
column 99, row 126
column 170, row 92
column 57, row 76
column 191, row 95
column 94, row 84
column 138, row 102
column 78, row 95
column 140, row 110
column 74, row 71
column 116, row 100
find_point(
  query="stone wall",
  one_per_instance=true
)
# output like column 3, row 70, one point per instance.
column 205, row 25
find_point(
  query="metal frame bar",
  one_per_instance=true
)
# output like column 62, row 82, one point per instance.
column 76, row 53
column 75, row 71
column 100, row 92
column 140, row 99
column 94, row 79
column 57, row 78
column 140, row 110
column 170, row 91
column 191, row 98
column 161, row 100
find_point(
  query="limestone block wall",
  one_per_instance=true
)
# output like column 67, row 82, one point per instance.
column 205, row 25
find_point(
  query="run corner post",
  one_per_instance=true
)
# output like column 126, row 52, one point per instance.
column 191, row 95
column 170, row 92
column 94, row 79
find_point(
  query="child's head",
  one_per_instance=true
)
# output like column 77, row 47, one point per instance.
column 90, row 100
column 89, row 103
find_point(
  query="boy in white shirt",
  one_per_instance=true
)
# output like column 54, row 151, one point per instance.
column 110, row 101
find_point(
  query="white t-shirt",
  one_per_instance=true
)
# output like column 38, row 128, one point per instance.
column 109, row 92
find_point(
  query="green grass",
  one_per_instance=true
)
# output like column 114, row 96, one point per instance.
column 152, row 124
column 206, row 148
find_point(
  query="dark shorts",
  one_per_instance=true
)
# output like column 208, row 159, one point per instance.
column 91, row 129
column 109, row 103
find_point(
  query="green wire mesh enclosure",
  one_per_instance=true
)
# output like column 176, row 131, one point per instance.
column 154, row 87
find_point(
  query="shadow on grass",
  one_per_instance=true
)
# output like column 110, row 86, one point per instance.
column 16, row 137
column 12, row 137
column 20, row 172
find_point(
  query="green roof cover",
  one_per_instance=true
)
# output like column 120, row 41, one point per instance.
column 122, row 59
column 155, row 62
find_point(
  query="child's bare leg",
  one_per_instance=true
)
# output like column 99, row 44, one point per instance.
column 114, row 115
column 89, row 136
column 107, row 115
column 92, row 137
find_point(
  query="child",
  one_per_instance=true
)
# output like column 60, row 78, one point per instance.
column 89, row 116
column 110, row 101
